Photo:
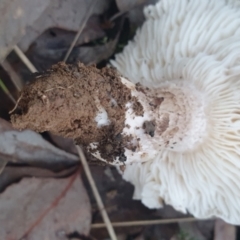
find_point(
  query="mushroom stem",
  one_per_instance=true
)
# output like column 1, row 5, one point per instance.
column 116, row 120
column 172, row 117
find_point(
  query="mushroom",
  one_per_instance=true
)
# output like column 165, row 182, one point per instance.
column 190, row 51
column 177, row 130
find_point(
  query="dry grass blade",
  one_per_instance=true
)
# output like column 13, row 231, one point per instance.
column 97, row 196
column 24, row 59
column 146, row 222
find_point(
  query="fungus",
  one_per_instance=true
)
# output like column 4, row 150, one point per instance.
column 178, row 131
column 190, row 51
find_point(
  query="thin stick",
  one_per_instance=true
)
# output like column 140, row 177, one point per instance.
column 24, row 58
column 97, row 196
column 146, row 222
column 88, row 14
column 16, row 105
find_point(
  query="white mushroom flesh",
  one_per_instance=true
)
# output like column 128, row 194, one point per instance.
column 188, row 52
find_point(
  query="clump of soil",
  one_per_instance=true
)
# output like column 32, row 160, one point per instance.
column 63, row 101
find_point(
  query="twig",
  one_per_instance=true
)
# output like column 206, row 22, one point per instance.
column 146, row 222
column 53, row 205
column 16, row 105
column 25, row 60
column 88, row 14
column 107, row 222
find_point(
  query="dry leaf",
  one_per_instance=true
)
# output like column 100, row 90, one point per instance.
column 21, row 205
column 224, row 231
column 43, row 57
column 30, row 148
column 16, row 15
column 65, row 144
column 12, row 174
column 93, row 55
column 65, row 14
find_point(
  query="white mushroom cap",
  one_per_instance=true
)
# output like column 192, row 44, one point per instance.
column 196, row 43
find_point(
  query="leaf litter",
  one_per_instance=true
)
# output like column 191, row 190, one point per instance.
column 37, row 208
column 29, row 147
column 16, row 16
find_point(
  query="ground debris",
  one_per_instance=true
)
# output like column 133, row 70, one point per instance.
column 28, row 147
column 16, row 17
column 69, row 214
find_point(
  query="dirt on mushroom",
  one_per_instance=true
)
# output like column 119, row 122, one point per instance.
column 66, row 99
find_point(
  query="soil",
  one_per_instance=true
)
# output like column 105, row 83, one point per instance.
column 63, row 101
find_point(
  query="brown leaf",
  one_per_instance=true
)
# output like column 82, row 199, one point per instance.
column 223, row 231
column 43, row 57
column 30, row 148
column 16, row 16
column 12, row 174
column 22, row 204
column 65, row 144
column 65, row 14
column 94, row 55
